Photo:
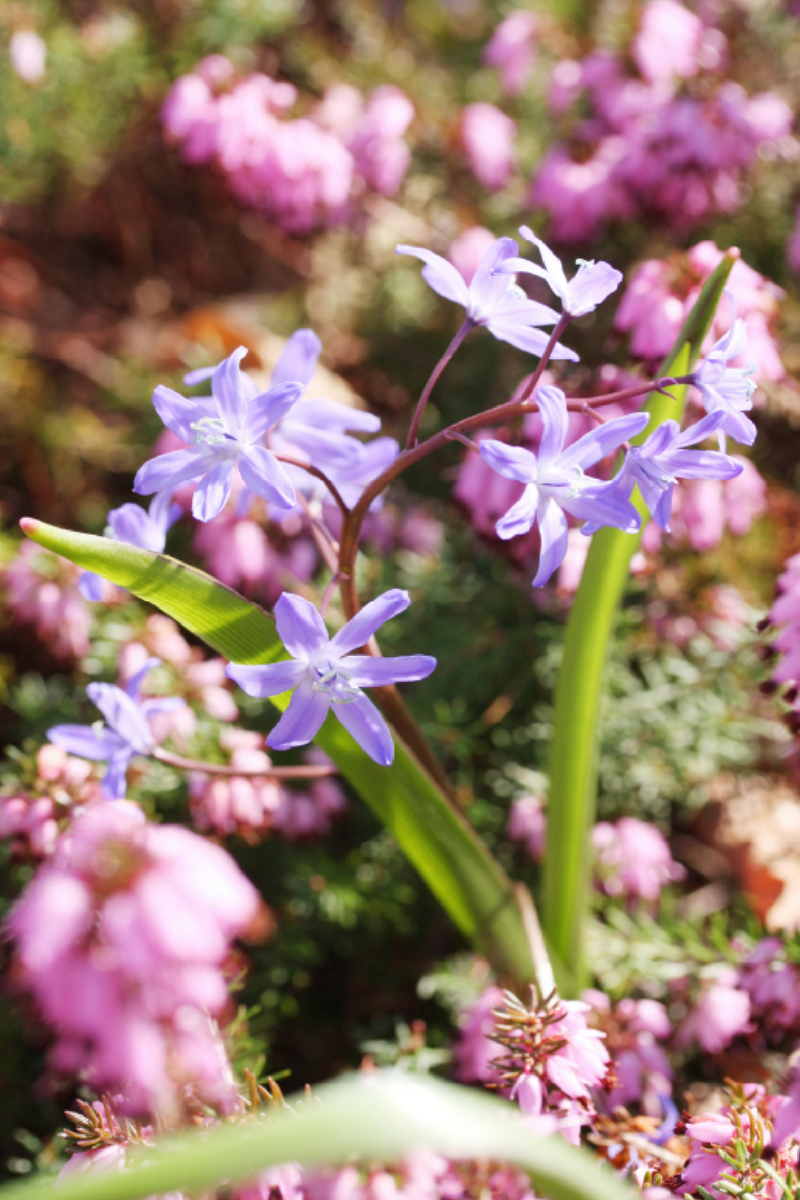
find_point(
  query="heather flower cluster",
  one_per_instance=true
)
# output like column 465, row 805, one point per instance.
column 674, row 141
column 121, row 938
column 301, row 172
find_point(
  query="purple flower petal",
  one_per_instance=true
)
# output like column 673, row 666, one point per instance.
column 302, row 720
column 161, row 704
column 599, row 442
column 487, row 290
column 271, row 679
column 440, row 275
column 331, row 415
column 662, row 509
column 512, row 462
column 265, row 476
column 163, row 513
column 298, row 360
column 122, row 715
column 269, row 408
column 130, row 523
column 365, row 670
column 114, row 783
column 520, row 516
column 326, row 450
column 90, row 586
column 212, row 492
column 365, row 724
column 702, row 464
column 555, row 421
column 702, row 429
column 229, row 392
column 604, row 505
column 199, row 375
column 532, row 341
column 553, row 531
column 179, row 413
column 592, row 284
column 300, row 627
column 85, row 742
column 660, row 441
column 134, row 685
column 360, row 628
column 167, row 472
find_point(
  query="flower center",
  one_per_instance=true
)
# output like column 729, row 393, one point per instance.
column 210, row 431
column 327, row 676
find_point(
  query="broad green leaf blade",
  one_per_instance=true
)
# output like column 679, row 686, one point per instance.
column 573, row 765
column 467, row 881
column 376, row 1117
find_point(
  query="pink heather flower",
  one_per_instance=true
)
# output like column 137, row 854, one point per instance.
column 527, row 821
column 28, row 55
column 703, row 1167
column 420, row 533
column 785, row 613
column 633, row 1031
column 487, row 136
column 511, row 49
column 468, row 249
column 62, row 785
column 565, row 85
column 240, row 555
column 721, row 1013
column 571, row 569
column 773, row 986
column 381, row 156
column 120, row 938
column 793, row 249
column 580, row 196
column 668, row 42
column 41, row 590
column 475, row 1050
column 633, row 859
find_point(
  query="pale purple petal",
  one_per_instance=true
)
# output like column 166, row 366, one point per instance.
column 360, row 628
column 302, row 720
column 122, row 715
column 702, row 429
column 326, row 450
column 592, row 284
column 134, row 685
column 179, row 413
column 555, row 421
column 229, row 392
column 440, row 275
column 487, row 290
column 553, row 531
column 331, row 415
column 662, row 509
column 114, row 783
column 161, row 704
column 702, row 464
column 519, row 310
column 599, row 442
column 512, row 462
column 298, row 360
column 265, row 476
column 365, row 670
column 660, row 441
column 212, row 492
column 604, row 505
column 365, row 724
column 515, row 266
column 552, row 262
column 85, row 742
column 532, row 341
column 520, row 516
column 271, row 679
column 300, row 627
column 739, row 427
column 169, row 471
column 90, row 586
column 130, row 523
column 199, row 375
column 269, row 408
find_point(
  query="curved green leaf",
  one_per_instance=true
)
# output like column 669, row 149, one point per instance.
column 468, row 882
column 375, row 1117
column 573, row 766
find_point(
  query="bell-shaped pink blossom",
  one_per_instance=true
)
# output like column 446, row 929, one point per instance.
column 487, row 136
column 512, row 50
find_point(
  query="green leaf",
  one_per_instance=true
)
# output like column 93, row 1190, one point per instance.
column 573, row 765
column 375, row 1117
column 465, row 878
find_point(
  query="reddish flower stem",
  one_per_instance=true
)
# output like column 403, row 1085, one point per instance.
column 204, row 768
column 411, row 440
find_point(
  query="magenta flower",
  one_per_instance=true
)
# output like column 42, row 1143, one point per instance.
column 487, row 136
column 633, row 859
column 121, row 938
column 491, row 299
column 325, row 674
column 556, row 483
column 721, row 1013
column 126, row 731
column 511, row 49
column 592, row 284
